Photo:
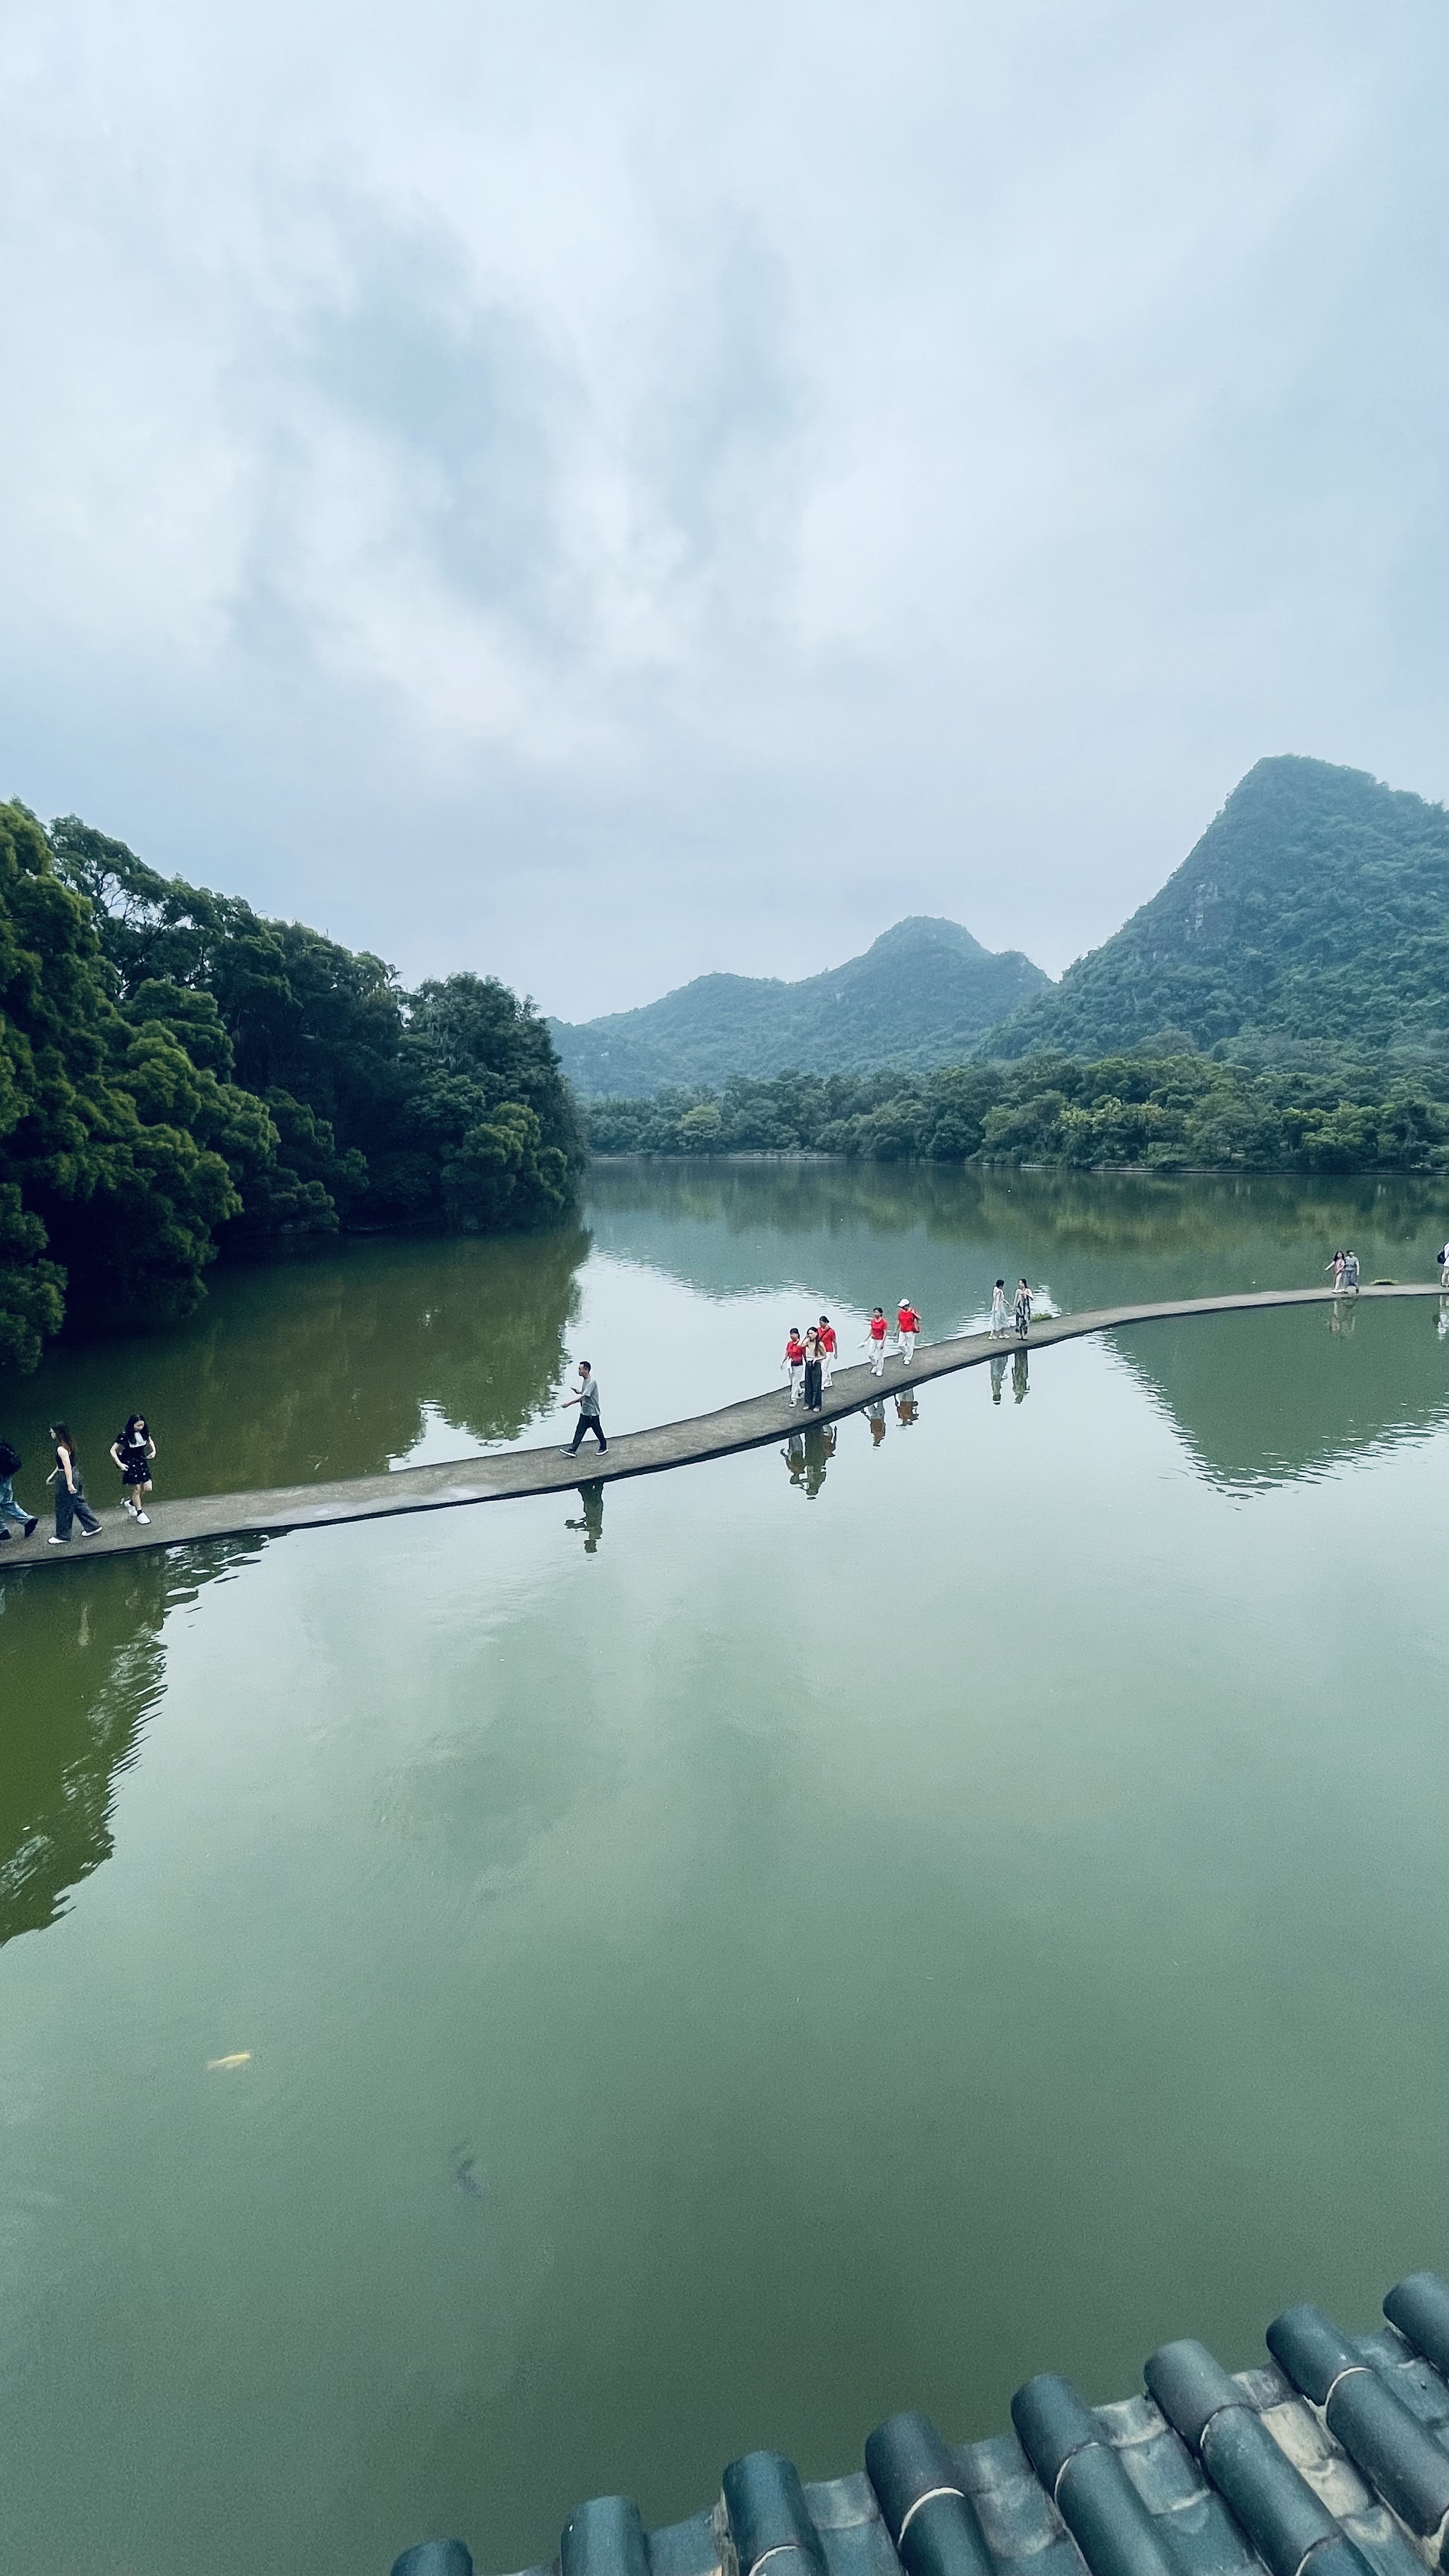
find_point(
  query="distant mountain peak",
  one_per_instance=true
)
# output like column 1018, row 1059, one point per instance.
column 1315, row 906
column 922, row 994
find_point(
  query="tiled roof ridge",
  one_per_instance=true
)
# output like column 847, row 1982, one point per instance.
column 1333, row 2460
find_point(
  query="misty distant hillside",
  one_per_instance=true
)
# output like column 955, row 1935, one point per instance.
column 923, row 995
column 1316, row 906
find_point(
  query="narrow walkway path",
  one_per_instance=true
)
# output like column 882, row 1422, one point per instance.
column 510, row 1472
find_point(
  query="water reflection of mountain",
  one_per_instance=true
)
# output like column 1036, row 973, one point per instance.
column 327, row 1366
column 83, row 1671
column 1295, row 1393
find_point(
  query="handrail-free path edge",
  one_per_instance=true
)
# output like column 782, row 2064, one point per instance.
column 504, row 1474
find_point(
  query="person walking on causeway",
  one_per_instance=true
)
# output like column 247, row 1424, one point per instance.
column 587, row 1400
column 1023, row 1310
column 133, row 1450
column 876, row 1341
column 908, row 1324
column 812, row 1370
column 794, row 1361
column 827, row 1351
column 11, row 1463
column 70, row 1502
column 998, row 1311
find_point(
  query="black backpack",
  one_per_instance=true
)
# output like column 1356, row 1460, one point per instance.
column 11, row 1461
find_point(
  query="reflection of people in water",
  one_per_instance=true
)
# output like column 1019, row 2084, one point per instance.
column 591, row 1496
column 906, row 1408
column 875, row 1416
column 819, row 1450
column 793, row 1454
column 997, row 1365
column 1018, row 1375
column 1342, row 1315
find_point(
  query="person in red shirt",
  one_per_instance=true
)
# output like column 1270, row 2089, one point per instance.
column 794, row 1361
column 908, row 1324
column 827, row 1349
column 876, row 1341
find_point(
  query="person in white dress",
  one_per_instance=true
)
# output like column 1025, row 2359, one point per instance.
column 998, row 1311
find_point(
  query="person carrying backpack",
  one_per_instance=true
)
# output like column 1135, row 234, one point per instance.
column 11, row 1463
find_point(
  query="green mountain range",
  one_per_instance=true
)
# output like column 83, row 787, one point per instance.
column 924, row 994
column 1315, row 907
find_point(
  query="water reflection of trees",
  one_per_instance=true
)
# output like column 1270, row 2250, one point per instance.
column 1110, row 1213
column 83, row 1671
column 328, row 1366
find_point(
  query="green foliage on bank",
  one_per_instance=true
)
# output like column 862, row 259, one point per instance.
column 1174, row 1113
column 177, row 1073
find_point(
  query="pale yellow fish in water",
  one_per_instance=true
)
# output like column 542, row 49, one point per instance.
column 239, row 2057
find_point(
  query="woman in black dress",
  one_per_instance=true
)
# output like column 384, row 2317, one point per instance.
column 133, row 1450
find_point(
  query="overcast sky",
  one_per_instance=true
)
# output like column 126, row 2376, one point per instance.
column 598, row 493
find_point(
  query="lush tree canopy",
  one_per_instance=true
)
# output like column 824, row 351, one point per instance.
column 1169, row 1113
column 177, row 1072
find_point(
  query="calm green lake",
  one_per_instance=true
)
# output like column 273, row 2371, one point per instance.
column 720, row 1959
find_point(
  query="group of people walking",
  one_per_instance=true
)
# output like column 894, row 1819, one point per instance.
column 133, row 1450
column 1343, row 1269
column 810, row 1357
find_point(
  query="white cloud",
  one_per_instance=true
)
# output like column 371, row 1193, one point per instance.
column 745, row 471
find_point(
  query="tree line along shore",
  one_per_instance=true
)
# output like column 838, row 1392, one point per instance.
column 181, row 1076
column 1326, row 1111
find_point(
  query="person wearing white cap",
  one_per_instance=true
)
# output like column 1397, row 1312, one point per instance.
column 908, row 1324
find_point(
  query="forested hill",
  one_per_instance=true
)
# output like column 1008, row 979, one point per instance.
column 1316, row 906
column 177, row 1072
column 922, row 995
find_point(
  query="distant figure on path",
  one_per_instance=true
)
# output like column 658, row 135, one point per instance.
column 587, row 1400
column 908, row 1324
column 794, row 1361
column 876, row 1341
column 1350, row 1272
column 133, row 1450
column 998, row 1311
column 1335, row 1269
column 827, row 1351
column 1023, row 1310
column 10, row 1510
column 1442, row 1257
column 70, row 1502
column 813, row 1367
